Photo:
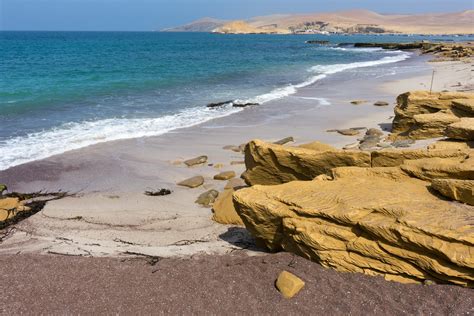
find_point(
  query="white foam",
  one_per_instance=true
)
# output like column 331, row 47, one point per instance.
column 335, row 68
column 72, row 136
column 321, row 101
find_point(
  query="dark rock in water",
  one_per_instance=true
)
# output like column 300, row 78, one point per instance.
column 243, row 105
column 207, row 198
column 196, row 161
column 414, row 45
column 284, row 141
column 317, row 42
column 218, row 104
column 160, row 192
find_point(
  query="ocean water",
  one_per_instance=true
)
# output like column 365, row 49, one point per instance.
column 66, row 90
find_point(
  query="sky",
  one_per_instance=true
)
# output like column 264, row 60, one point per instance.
column 147, row 15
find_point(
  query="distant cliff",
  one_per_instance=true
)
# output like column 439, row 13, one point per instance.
column 355, row 21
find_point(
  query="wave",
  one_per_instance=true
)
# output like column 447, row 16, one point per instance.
column 71, row 136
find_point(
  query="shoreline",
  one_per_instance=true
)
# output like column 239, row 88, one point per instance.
column 109, row 179
column 121, row 251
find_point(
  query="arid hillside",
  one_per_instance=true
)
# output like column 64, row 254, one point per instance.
column 355, row 21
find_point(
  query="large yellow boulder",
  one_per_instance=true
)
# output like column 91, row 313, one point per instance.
column 224, row 211
column 274, row 164
column 376, row 221
column 396, row 157
column 413, row 103
column 459, row 190
column 432, row 125
column 462, row 130
column 452, row 144
column 10, row 207
column 464, row 107
column 438, row 168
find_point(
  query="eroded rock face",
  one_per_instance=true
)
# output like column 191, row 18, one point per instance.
column 439, row 168
column 377, row 221
column 459, row 190
column 422, row 102
column 462, row 130
column 433, row 125
column 274, row 164
column 396, row 157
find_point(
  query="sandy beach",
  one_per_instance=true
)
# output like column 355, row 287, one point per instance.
column 109, row 215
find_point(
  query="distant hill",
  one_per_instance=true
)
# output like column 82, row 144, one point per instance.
column 354, row 21
column 201, row 25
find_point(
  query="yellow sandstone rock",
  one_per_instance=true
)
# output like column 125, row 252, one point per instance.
column 376, row 221
column 10, row 207
column 459, row 190
column 464, row 107
column 224, row 211
column 396, row 157
column 317, row 146
column 414, row 103
column 462, row 130
column 433, row 125
column 274, row 164
column 289, row 284
column 438, row 168
column 451, row 144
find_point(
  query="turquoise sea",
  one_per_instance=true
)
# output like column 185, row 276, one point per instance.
column 67, row 90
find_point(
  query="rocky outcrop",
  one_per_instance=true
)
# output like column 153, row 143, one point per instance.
column 274, row 164
column 459, row 190
column 396, row 157
column 412, row 113
column 10, row 208
column 438, row 168
column 433, row 125
column 462, row 130
column 377, row 221
column 224, row 211
column 464, row 108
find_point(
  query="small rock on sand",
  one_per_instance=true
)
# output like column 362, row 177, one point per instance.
column 207, row 198
column 357, row 102
column 289, row 284
column 348, row 132
column 234, row 183
column 237, row 162
column 351, row 146
column 374, row 132
column 284, row 141
column 196, row 161
column 218, row 165
column 226, row 175
column 403, row 143
column 193, row 182
column 381, row 103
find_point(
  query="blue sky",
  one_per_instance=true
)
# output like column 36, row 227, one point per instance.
column 134, row 15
